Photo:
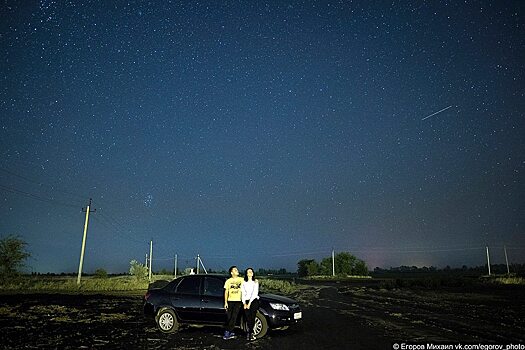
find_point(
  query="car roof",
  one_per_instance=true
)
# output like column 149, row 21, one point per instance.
column 218, row 275
column 206, row 274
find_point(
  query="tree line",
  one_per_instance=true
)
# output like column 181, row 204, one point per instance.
column 344, row 263
column 13, row 254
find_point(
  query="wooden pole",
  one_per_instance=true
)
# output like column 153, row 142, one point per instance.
column 83, row 244
column 175, row 267
column 333, row 263
column 506, row 259
column 488, row 259
column 150, row 257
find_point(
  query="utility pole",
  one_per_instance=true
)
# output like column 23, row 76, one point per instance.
column 84, row 241
column 488, row 259
column 198, row 259
column 333, row 263
column 150, row 257
column 506, row 259
column 202, row 264
column 175, row 266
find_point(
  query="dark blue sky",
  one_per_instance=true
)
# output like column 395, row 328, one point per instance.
column 263, row 132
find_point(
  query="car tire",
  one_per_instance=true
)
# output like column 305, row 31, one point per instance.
column 167, row 321
column 261, row 325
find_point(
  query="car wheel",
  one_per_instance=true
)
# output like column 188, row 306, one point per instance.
column 261, row 325
column 167, row 321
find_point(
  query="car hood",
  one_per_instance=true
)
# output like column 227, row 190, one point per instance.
column 277, row 298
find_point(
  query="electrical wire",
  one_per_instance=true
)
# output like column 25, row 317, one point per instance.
column 117, row 230
column 36, row 197
column 25, row 178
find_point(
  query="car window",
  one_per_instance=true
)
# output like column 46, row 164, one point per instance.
column 171, row 286
column 213, row 287
column 189, row 286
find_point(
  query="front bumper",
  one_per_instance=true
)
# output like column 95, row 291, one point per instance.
column 279, row 318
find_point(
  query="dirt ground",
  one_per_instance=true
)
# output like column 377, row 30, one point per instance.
column 336, row 316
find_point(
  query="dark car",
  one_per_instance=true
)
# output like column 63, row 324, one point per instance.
column 199, row 300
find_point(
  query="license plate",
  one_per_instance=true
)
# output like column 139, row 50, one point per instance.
column 297, row 315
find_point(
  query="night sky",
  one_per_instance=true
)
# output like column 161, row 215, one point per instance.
column 259, row 133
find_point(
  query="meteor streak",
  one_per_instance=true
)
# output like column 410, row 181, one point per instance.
column 444, row 109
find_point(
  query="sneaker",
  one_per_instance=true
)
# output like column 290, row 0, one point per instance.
column 227, row 335
column 232, row 335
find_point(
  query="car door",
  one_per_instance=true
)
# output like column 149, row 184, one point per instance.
column 187, row 299
column 212, row 301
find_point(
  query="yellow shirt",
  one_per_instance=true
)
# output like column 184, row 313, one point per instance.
column 233, row 286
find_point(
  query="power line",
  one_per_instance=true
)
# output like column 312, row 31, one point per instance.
column 36, row 197
column 25, row 178
column 394, row 250
column 116, row 229
column 298, row 253
column 118, row 224
column 384, row 250
column 163, row 258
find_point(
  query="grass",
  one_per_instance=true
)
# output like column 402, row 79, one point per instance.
column 280, row 286
column 92, row 284
column 507, row 280
column 444, row 281
column 69, row 284
column 426, row 283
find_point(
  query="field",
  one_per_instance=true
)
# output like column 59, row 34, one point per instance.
column 337, row 315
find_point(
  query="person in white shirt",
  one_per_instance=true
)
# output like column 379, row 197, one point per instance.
column 250, row 299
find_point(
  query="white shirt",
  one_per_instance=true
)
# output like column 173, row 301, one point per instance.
column 250, row 291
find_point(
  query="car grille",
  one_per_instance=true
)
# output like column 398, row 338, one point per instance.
column 294, row 307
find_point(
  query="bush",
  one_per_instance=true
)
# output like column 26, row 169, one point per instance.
column 12, row 257
column 139, row 271
column 511, row 280
column 101, row 273
column 284, row 287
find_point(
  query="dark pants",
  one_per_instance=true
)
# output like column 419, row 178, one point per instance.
column 233, row 311
column 250, row 314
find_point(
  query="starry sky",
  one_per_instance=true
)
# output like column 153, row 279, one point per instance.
column 260, row 133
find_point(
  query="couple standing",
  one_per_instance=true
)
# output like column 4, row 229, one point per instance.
column 241, row 293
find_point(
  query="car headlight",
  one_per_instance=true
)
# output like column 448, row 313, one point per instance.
column 279, row 306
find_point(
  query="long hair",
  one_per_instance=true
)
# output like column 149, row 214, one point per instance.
column 246, row 274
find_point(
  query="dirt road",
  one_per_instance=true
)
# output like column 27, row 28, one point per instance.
column 336, row 316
